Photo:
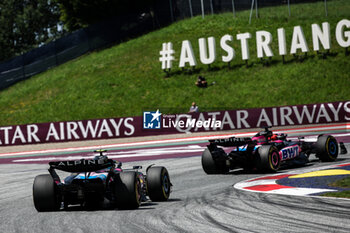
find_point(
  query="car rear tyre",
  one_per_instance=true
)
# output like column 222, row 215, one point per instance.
column 45, row 194
column 158, row 184
column 327, row 148
column 270, row 160
column 211, row 166
column 127, row 190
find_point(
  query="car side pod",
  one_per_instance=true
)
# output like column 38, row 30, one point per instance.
column 326, row 148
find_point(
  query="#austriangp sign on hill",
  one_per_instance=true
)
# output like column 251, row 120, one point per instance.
column 156, row 123
column 321, row 37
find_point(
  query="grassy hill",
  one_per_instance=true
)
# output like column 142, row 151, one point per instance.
column 127, row 78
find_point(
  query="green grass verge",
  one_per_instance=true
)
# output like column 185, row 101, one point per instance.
column 343, row 183
column 127, row 78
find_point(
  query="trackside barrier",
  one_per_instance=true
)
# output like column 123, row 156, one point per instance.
column 334, row 112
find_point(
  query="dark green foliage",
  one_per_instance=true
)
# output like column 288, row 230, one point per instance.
column 80, row 13
column 26, row 24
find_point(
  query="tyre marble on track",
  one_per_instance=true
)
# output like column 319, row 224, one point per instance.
column 198, row 203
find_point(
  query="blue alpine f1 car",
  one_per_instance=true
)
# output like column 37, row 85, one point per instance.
column 267, row 151
column 94, row 180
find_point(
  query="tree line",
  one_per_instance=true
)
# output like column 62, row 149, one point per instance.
column 27, row 24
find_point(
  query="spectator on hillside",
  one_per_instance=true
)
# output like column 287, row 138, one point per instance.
column 201, row 82
column 193, row 108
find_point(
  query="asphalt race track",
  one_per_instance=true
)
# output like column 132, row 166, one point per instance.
column 198, row 203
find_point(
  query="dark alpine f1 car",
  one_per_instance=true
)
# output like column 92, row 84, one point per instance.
column 93, row 180
column 267, row 152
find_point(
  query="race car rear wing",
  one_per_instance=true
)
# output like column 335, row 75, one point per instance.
column 83, row 165
column 230, row 142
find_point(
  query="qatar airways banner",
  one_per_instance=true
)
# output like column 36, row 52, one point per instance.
column 157, row 123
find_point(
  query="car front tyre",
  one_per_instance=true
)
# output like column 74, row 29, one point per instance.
column 327, row 148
